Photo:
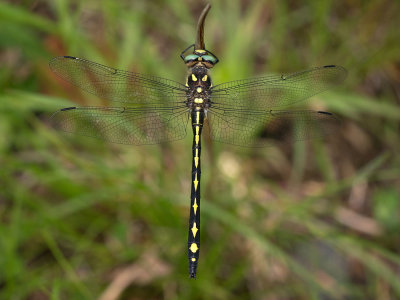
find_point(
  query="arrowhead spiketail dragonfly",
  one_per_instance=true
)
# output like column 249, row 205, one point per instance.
column 155, row 110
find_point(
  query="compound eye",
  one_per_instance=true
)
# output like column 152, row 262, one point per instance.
column 209, row 58
column 191, row 57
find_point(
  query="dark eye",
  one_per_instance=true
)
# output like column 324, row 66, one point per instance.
column 209, row 58
column 191, row 57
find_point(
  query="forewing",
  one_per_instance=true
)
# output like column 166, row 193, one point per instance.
column 118, row 85
column 137, row 126
column 242, row 127
column 275, row 91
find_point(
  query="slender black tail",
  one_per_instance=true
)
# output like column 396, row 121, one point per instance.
column 194, row 219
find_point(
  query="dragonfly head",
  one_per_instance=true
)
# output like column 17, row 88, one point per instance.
column 199, row 56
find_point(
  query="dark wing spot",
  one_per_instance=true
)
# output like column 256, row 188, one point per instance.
column 67, row 108
column 325, row 113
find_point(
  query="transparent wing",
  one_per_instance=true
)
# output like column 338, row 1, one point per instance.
column 138, row 126
column 118, row 85
column 275, row 91
column 239, row 127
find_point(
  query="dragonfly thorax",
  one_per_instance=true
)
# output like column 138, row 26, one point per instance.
column 199, row 86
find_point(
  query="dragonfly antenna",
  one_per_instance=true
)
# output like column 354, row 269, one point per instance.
column 199, row 45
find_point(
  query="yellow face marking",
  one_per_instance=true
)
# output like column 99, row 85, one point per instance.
column 193, row 247
column 194, row 229
column 195, row 206
column 196, row 158
column 204, row 78
column 198, row 100
column 200, row 51
column 200, row 58
column 193, row 259
column 194, row 78
column 199, row 89
column 195, row 182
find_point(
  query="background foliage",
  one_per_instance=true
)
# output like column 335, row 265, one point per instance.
column 81, row 219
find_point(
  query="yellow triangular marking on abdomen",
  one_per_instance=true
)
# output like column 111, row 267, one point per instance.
column 195, row 206
column 194, row 229
column 196, row 158
column 196, row 182
column 197, row 137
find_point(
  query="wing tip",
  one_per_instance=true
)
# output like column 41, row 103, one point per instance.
column 325, row 113
column 342, row 72
column 68, row 108
column 331, row 116
column 335, row 67
column 53, row 116
column 54, row 60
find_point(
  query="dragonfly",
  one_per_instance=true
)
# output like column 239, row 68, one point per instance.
column 154, row 110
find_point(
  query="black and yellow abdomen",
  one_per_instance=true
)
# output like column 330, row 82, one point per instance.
column 198, row 83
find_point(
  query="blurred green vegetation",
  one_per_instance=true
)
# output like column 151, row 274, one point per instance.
column 82, row 219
